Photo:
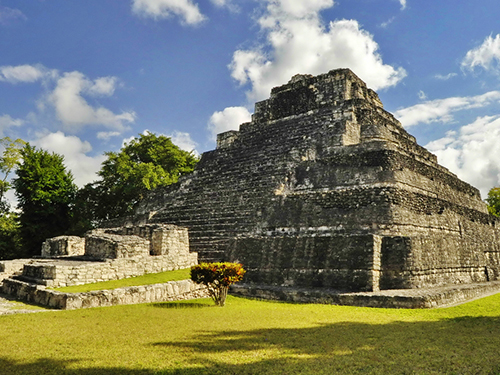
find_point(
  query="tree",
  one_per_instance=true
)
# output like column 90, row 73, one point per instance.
column 493, row 201
column 144, row 163
column 217, row 277
column 10, row 246
column 45, row 192
column 9, row 223
column 8, row 161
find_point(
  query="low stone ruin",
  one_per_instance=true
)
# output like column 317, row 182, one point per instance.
column 105, row 254
column 63, row 246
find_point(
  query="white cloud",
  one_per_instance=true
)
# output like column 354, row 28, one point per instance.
column 22, row 73
column 107, row 135
column 387, row 23
column 297, row 41
column 7, row 122
column 441, row 110
column 73, row 110
column 487, row 55
column 185, row 9
column 473, row 152
column 8, row 15
column 228, row 4
column 445, row 77
column 422, row 95
column 403, row 4
column 75, row 151
column 228, row 119
column 103, row 86
column 184, row 141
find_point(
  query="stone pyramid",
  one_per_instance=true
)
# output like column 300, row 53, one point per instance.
column 324, row 188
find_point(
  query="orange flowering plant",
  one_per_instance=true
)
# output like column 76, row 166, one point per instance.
column 217, row 277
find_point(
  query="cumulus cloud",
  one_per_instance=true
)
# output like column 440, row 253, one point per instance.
column 297, row 41
column 184, row 141
column 486, row 56
column 188, row 11
column 442, row 109
column 8, row 15
column 472, row 152
column 104, row 86
column 403, row 4
column 22, row 73
column 75, row 151
column 73, row 110
column 228, row 119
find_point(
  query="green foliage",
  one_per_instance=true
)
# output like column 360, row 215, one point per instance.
column 10, row 246
column 8, row 161
column 217, row 277
column 493, row 201
column 145, row 163
column 45, row 192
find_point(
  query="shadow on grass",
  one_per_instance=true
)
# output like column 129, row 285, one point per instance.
column 466, row 345
column 182, row 305
column 51, row 366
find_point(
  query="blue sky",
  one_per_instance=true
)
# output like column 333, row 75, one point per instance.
column 81, row 77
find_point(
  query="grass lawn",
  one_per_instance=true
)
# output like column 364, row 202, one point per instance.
column 253, row 337
column 152, row 278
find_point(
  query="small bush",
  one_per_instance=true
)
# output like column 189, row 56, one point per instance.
column 217, row 277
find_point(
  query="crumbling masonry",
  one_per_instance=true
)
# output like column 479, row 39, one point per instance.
column 324, row 188
column 323, row 191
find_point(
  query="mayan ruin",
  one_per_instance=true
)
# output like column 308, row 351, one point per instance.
column 323, row 189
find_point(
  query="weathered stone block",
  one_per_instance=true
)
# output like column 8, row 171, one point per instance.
column 63, row 246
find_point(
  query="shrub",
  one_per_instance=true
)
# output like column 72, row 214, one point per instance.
column 217, row 277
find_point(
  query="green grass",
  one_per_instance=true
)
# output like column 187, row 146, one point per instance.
column 253, row 337
column 153, row 278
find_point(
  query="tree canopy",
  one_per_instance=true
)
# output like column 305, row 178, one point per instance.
column 145, row 163
column 493, row 201
column 45, row 193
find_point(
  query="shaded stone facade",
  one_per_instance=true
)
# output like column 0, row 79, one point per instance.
column 324, row 188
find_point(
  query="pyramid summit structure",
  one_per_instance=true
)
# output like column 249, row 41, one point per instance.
column 326, row 189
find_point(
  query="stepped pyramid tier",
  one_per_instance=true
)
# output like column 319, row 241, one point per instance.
column 324, row 188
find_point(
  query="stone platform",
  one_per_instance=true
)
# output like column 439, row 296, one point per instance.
column 40, row 295
column 426, row 298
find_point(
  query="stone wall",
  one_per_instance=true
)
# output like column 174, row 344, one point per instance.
column 137, row 240
column 63, row 246
column 171, row 291
column 112, row 254
column 57, row 273
column 13, row 267
column 102, row 245
column 300, row 193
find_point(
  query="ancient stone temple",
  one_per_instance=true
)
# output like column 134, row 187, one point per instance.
column 324, row 188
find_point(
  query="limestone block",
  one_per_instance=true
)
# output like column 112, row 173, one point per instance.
column 63, row 246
